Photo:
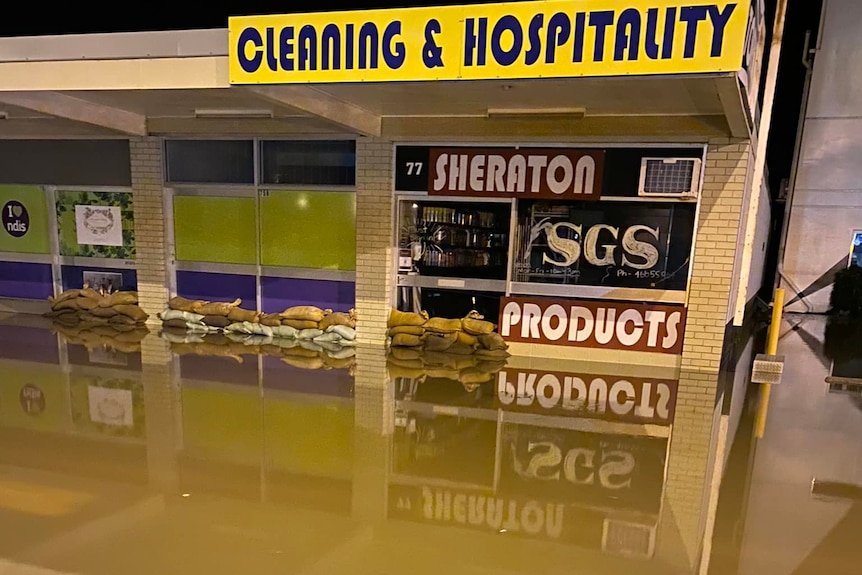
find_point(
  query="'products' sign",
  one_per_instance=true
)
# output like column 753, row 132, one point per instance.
column 622, row 326
column 555, row 173
column 602, row 397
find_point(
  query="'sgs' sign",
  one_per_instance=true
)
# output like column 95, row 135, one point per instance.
column 554, row 173
column 601, row 397
column 634, row 327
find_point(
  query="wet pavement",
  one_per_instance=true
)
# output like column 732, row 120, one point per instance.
column 128, row 451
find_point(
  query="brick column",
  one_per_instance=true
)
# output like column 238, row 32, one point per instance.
column 163, row 414
column 374, row 220
column 148, row 199
column 690, row 464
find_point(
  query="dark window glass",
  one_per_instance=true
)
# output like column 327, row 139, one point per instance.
column 309, row 163
column 210, row 161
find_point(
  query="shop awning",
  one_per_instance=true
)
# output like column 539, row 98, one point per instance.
column 176, row 83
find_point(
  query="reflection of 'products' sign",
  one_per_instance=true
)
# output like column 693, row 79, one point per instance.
column 16, row 220
column 593, row 324
column 525, row 173
column 612, row 398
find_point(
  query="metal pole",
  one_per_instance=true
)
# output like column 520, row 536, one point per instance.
column 771, row 349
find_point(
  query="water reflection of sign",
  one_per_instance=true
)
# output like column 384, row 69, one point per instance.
column 556, row 173
column 603, row 397
column 109, row 406
column 634, row 327
column 633, row 245
column 32, row 399
column 99, row 225
column 576, row 467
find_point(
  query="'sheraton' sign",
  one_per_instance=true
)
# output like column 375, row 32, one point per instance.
column 544, row 39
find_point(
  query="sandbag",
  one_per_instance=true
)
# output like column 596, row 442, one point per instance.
column 238, row 327
column 66, row 295
column 270, row 319
column 216, row 320
column 492, row 354
column 439, row 342
column 90, row 293
column 119, row 298
column 87, row 317
column 465, row 338
column 477, row 326
column 258, row 329
column 343, row 331
column 337, row 318
column 305, row 313
column 170, row 314
column 406, row 340
column 402, row 318
column 216, row 339
column 329, row 346
column 197, row 327
column 461, row 349
column 86, row 303
column 304, row 362
column 238, row 314
column 284, row 331
column 347, row 342
column 493, row 342
column 439, row 359
column 407, row 372
column 442, row 325
column 133, row 311
column 71, row 304
column 331, row 337
column 300, row 324
column 58, row 312
column 271, row 350
column 310, row 345
column 258, row 340
column 405, row 353
column 472, row 375
column 343, row 353
column 299, row 351
column 171, row 337
column 338, row 363
column 176, row 323
column 121, row 319
column 407, row 329
column 285, row 342
column 182, row 304
column 443, row 373
column 107, row 312
column 308, row 334
column 218, row 308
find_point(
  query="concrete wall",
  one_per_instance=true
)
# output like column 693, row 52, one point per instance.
column 827, row 199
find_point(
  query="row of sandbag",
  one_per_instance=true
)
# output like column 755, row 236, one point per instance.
column 304, row 354
column 469, row 370
column 123, row 338
column 471, row 334
column 89, row 306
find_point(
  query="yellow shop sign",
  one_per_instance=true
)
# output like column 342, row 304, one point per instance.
column 543, row 39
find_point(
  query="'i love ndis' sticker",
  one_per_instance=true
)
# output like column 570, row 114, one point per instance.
column 16, row 220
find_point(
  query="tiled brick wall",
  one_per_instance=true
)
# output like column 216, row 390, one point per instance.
column 148, row 198
column 373, row 238
column 694, row 430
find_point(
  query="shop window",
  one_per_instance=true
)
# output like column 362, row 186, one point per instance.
column 856, row 250
column 210, row 161
column 308, row 163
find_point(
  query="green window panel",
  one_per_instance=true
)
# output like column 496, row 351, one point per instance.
column 223, row 425
column 68, row 228
column 309, row 230
column 25, row 220
column 215, row 229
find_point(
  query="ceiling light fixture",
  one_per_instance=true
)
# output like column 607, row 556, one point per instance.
column 532, row 113
column 240, row 113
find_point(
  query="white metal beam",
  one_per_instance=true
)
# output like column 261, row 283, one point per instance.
column 318, row 103
column 71, row 108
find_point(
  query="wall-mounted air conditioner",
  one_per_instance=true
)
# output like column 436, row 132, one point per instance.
column 634, row 540
column 670, row 178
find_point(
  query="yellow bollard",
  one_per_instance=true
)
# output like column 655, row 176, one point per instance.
column 771, row 349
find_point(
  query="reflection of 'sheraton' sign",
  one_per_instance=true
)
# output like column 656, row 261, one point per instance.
column 593, row 324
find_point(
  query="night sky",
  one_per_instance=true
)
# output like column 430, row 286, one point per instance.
column 73, row 18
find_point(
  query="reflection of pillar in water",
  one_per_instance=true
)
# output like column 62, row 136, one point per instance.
column 163, row 413
column 373, row 424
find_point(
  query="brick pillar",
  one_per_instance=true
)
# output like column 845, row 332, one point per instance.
column 690, row 465
column 148, row 198
column 163, row 414
column 374, row 220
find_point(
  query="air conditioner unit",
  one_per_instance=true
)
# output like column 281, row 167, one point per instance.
column 635, row 540
column 670, row 178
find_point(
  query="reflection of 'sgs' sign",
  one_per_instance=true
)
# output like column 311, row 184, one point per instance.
column 593, row 324
column 612, row 398
column 573, row 466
